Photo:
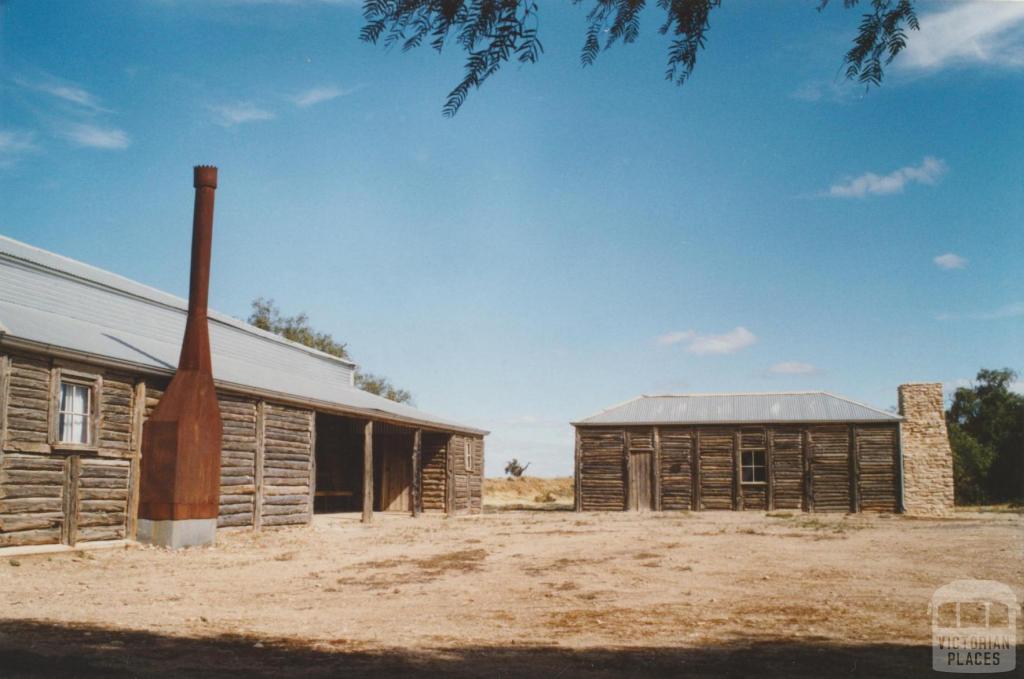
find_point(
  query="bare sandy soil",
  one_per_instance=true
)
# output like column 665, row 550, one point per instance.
column 509, row 594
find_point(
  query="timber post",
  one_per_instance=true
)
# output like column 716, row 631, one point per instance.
column 417, row 472
column 769, row 477
column 626, row 477
column 854, row 471
column 737, row 471
column 695, row 469
column 368, row 472
column 657, row 469
column 578, row 481
column 808, row 455
column 258, row 465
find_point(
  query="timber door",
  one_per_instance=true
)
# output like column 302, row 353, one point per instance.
column 641, row 466
column 396, row 481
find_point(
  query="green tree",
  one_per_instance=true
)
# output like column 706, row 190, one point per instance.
column 986, row 426
column 266, row 316
column 493, row 32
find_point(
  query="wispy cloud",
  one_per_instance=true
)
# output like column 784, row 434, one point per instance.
column 318, row 95
column 14, row 141
column 828, row 90
column 65, row 91
column 1013, row 310
column 871, row 184
column 96, row 137
column 793, row 368
column 727, row 343
column 950, row 261
column 229, row 115
column 14, row 144
column 989, row 33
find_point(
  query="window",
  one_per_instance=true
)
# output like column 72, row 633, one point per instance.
column 75, row 413
column 753, row 466
column 468, row 450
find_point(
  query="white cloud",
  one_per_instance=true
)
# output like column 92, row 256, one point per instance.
column 990, row 33
column 869, row 183
column 792, row 368
column 1007, row 311
column 66, row 91
column 96, row 137
column 318, row 95
column 242, row 112
column 727, row 343
column 12, row 141
column 834, row 91
column 950, row 261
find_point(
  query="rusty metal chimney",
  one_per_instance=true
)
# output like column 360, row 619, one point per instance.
column 179, row 494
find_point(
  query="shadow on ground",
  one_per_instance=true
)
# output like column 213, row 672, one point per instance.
column 38, row 649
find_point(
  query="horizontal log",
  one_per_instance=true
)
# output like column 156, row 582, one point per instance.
column 44, row 536
column 286, row 519
column 38, row 478
column 16, row 522
column 97, row 533
column 101, row 506
column 11, row 491
column 234, row 519
column 101, row 519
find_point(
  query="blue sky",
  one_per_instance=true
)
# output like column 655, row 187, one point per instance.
column 574, row 237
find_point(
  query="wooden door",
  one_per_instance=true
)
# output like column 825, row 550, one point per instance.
column 641, row 466
column 396, row 481
column 717, row 468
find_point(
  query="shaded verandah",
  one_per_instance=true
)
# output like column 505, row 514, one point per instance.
column 371, row 466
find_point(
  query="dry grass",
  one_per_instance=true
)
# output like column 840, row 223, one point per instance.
column 529, row 492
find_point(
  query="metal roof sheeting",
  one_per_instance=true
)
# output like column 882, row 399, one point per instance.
column 809, row 406
column 52, row 300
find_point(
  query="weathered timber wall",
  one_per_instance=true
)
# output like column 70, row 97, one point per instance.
column 287, row 460
column 830, row 468
column 717, row 462
column 676, row 466
column 238, row 461
column 53, row 492
column 927, row 456
column 602, row 469
column 822, row 450
column 435, row 463
column 787, row 467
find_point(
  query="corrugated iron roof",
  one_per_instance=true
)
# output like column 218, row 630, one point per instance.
column 52, row 300
column 805, row 406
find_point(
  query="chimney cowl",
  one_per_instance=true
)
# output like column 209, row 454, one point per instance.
column 204, row 175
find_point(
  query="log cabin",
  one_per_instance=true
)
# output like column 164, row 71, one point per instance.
column 810, row 451
column 84, row 358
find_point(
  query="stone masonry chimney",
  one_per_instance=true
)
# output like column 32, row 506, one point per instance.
column 927, row 457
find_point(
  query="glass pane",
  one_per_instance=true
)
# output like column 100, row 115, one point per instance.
column 81, row 400
column 748, row 474
column 748, row 458
column 65, row 396
column 81, row 429
column 759, row 474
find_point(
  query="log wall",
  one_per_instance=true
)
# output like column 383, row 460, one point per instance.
column 810, row 467
column 57, row 493
column 435, row 464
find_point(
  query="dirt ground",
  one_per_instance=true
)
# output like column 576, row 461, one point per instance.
column 509, row 594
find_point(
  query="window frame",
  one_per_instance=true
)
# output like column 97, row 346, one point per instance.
column 93, row 383
column 754, row 466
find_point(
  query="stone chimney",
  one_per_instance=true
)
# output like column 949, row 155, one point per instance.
column 927, row 457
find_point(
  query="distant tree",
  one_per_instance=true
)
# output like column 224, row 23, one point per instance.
column 986, row 431
column 493, row 32
column 266, row 316
column 515, row 470
column 375, row 384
